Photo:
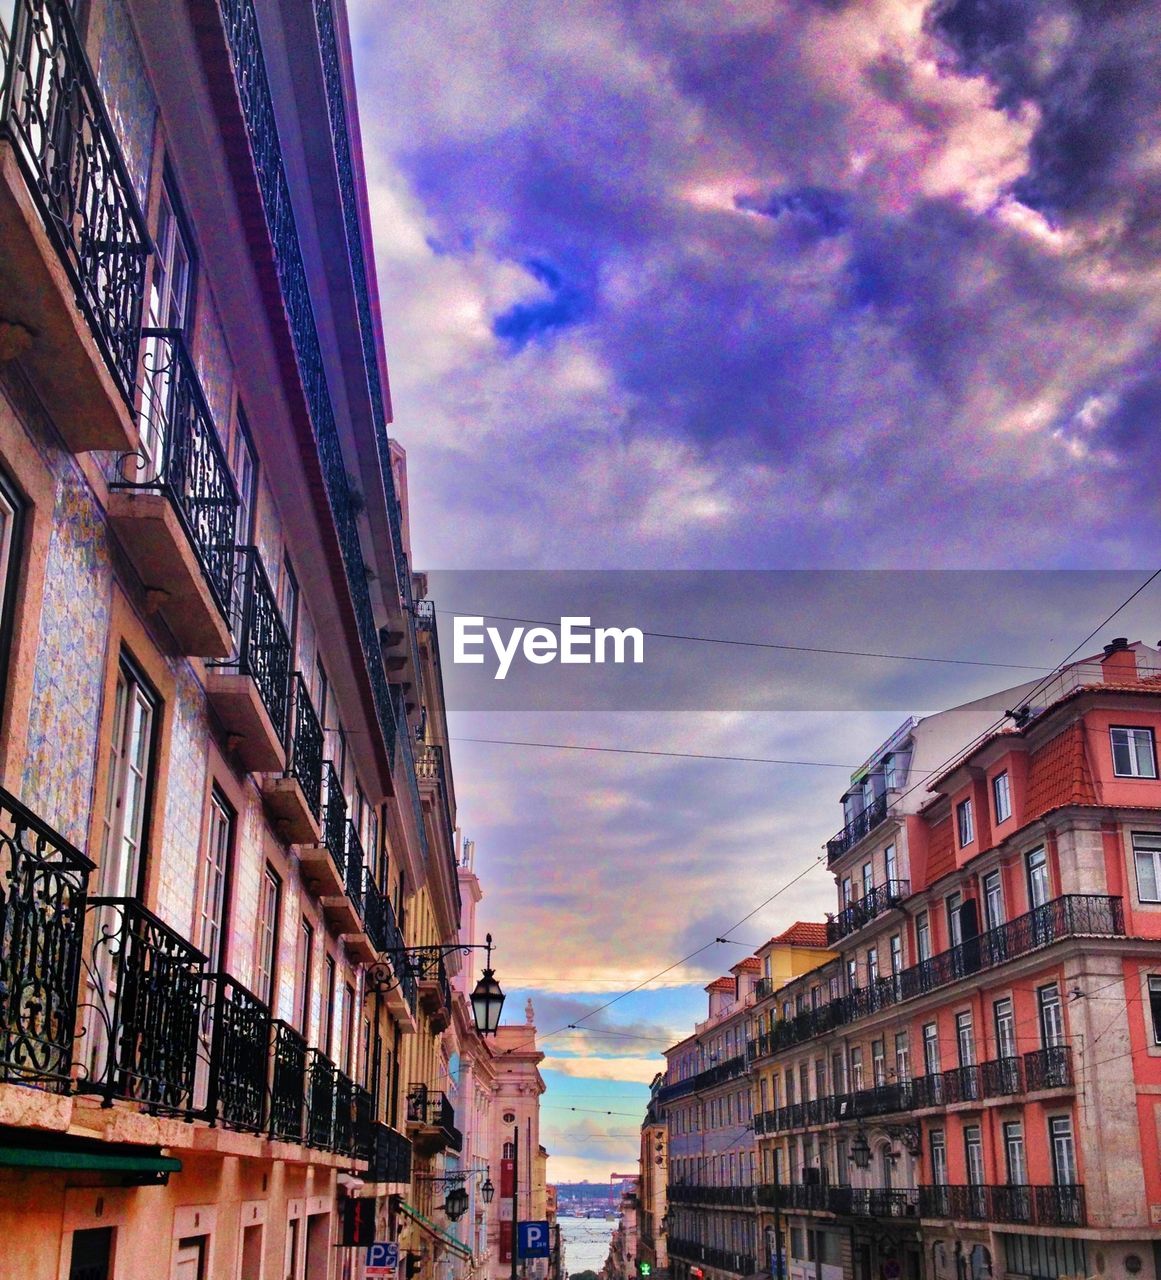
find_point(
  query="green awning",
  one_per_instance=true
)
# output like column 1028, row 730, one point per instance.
column 94, row 1161
column 444, row 1237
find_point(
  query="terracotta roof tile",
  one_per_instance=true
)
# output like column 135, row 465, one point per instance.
column 1058, row 773
column 721, row 984
column 940, row 851
column 751, row 964
column 804, row 933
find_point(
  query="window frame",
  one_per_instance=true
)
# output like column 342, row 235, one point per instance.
column 1153, row 989
column 965, row 822
column 1133, row 729
column 11, row 540
column 220, row 815
column 1002, row 777
column 269, row 925
column 1155, row 858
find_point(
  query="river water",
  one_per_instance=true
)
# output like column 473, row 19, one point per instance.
column 586, row 1242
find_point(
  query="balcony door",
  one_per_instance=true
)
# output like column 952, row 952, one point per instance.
column 168, row 308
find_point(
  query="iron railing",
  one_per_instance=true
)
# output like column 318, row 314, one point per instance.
column 287, row 1083
column 1049, row 1068
column 239, row 1057
column 53, row 110
column 334, row 823
column 433, row 1109
column 43, row 882
column 363, row 1109
column 739, row 1264
column 707, row 1079
column 241, row 29
column 859, row 826
column 321, row 1083
column 429, row 966
column 262, row 641
column 704, row 1193
column 181, row 457
column 375, row 909
column 855, row 916
column 1002, row 1077
column 353, row 878
column 1073, row 915
column 304, row 746
column 1044, row 1206
column 391, row 1156
column 343, row 1132
column 146, row 997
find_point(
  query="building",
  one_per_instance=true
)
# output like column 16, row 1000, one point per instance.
column 706, row 1104
column 227, row 816
column 653, row 1204
column 621, row 1263
column 974, row 1092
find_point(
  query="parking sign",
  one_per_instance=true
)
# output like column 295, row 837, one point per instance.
column 383, row 1260
column 532, row 1240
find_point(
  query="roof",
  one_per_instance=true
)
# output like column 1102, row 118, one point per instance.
column 751, row 964
column 804, row 933
column 721, row 984
column 1058, row 773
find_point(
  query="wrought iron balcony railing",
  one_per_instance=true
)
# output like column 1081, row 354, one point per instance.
column 53, row 110
column 430, row 969
column 354, row 867
column 43, row 882
column 242, row 34
column 143, row 1008
column 739, row 1264
column 343, row 1133
column 1049, row 1068
column 375, row 909
column 1070, row 916
column 181, row 457
column 858, row 827
column 704, row 1193
column 1045, row 1206
column 363, row 1107
column 304, row 746
column 321, row 1083
column 263, row 643
column 391, row 1156
column 239, row 1057
column 881, row 899
column 731, row 1069
column 287, row 1083
column 429, row 1108
column 334, row 823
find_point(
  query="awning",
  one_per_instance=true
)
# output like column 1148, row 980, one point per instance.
column 94, row 1161
column 437, row 1233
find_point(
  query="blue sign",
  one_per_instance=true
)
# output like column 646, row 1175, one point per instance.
column 532, row 1240
column 383, row 1258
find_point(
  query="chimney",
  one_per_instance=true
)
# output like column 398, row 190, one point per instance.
column 1119, row 663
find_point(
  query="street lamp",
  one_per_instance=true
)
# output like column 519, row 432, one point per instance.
column 455, row 1203
column 487, row 998
column 861, row 1151
column 487, row 1190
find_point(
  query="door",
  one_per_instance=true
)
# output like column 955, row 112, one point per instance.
column 92, row 1254
column 190, row 1263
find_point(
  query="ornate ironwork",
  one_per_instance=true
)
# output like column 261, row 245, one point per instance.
column 1049, row 1068
column 860, row 825
column 334, row 824
column 391, row 1156
column 882, row 898
column 147, row 985
column 1003, row 1077
column 243, row 38
column 343, row 1134
column 239, row 1057
column 43, row 882
column 1045, row 1206
column 263, row 643
column 375, row 909
column 739, row 1264
column 322, row 1075
column 364, row 1111
column 53, row 110
column 728, row 1070
column 288, row 1083
column 354, row 868
column 185, row 460
column 304, row 748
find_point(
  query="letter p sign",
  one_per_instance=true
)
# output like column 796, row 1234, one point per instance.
column 532, row 1240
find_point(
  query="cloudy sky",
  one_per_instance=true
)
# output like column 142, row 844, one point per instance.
column 782, row 284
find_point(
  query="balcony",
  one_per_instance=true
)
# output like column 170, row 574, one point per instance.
column 731, row 1069
column 287, row 1083
column 1042, row 1206
column 844, row 1201
column 324, row 866
column 144, row 1003
column 239, row 1058
column 250, row 694
column 433, row 986
column 1070, row 916
column 739, row 1264
column 859, row 826
column 857, row 915
column 43, row 881
column 1049, row 1068
column 72, row 274
column 175, row 507
column 321, row 1082
column 703, row 1193
column 390, row 1156
column 431, row 1121
column 294, row 798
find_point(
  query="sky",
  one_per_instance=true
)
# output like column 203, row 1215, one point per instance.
column 723, row 285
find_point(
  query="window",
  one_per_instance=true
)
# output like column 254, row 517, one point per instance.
column 852, row 974
column 1063, row 1151
column 890, row 773
column 245, row 469
column 1155, row 1006
column 856, row 1069
column 938, row 1142
column 1014, row 1153
column 896, row 954
column 329, row 1011
column 305, row 966
column 269, row 902
column 954, row 923
column 288, row 600
column 11, row 513
column 872, row 965
column 1147, row 857
column 1001, row 797
column 1134, row 755
column 902, row 1058
column 348, row 1027
column 838, row 1075
column 891, row 859
column 868, row 879
column 974, row 1154
column 92, row 1253
column 931, row 1048
column 965, row 1039
column 212, row 893
column 1005, row 1028
column 1051, row 1016
column 923, row 936
column 815, row 997
column 847, row 891
column 965, row 822
column 834, row 986
column 1039, row 889
column 820, row 1078
column 878, row 1063
column 993, row 900
column 130, row 765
